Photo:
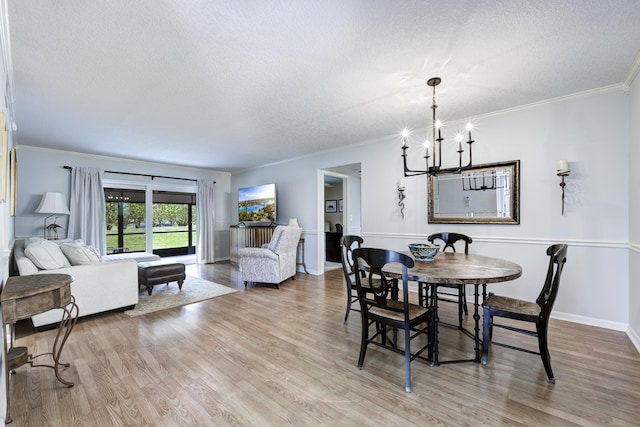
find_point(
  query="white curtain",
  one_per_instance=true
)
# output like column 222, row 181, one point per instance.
column 206, row 222
column 87, row 220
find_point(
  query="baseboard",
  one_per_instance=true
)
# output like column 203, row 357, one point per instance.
column 590, row 321
column 635, row 338
column 606, row 324
column 44, row 328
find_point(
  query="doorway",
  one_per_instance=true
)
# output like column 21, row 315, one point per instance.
column 338, row 210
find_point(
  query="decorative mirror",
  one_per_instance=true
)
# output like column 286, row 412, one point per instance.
column 482, row 194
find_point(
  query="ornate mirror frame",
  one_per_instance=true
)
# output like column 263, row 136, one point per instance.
column 493, row 188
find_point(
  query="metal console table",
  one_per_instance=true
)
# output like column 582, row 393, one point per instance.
column 25, row 296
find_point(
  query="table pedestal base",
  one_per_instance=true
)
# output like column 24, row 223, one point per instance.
column 18, row 356
column 69, row 319
column 475, row 335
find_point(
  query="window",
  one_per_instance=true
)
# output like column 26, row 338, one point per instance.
column 174, row 223
column 125, row 215
column 171, row 229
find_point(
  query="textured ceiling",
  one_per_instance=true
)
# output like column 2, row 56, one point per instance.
column 230, row 85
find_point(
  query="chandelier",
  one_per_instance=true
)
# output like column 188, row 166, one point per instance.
column 434, row 150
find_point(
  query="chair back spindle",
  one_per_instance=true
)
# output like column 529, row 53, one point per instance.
column 347, row 245
column 557, row 258
column 449, row 293
column 450, row 240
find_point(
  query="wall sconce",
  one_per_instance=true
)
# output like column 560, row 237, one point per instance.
column 563, row 170
column 401, row 196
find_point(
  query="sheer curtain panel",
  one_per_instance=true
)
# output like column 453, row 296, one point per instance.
column 87, row 220
column 206, row 222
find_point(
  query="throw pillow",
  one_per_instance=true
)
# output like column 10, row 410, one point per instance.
column 80, row 255
column 31, row 240
column 46, row 255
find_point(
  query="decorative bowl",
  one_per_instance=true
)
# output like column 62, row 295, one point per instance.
column 423, row 251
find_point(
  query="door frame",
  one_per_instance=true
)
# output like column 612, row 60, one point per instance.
column 320, row 242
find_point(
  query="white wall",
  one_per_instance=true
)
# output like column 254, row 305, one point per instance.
column 41, row 170
column 591, row 131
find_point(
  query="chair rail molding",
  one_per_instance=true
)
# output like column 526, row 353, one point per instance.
column 517, row 240
column 634, row 247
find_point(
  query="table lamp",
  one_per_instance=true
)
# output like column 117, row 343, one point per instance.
column 53, row 204
column 293, row 222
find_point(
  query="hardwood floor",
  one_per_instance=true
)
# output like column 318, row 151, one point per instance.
column 263, row 356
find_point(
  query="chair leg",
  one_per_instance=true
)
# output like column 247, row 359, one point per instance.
column 461, row 304
column 407, row 359
column 349, row 297
column 486, row 333
column 541, row 328
column 421, row 289
column 363, row 342
column 394, row 344
column 383, row 330
column 464, row 300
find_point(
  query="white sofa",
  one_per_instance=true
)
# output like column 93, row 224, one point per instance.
column 107, row 285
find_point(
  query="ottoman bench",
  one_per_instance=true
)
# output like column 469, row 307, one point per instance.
column 157, row 272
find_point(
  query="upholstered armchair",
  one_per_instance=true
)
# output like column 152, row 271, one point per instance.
column 275, row 262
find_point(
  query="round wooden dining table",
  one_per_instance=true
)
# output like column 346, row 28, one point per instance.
column 458, row 269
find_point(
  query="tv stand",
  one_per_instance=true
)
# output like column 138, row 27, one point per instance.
column 248, row 236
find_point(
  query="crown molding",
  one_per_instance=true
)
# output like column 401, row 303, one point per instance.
column 633, row 71
column 619, row 87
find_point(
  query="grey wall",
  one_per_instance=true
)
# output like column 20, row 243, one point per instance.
column 40, row 170
column 592, row 131
column 353, row 210
column 6, row 228
column 634, row 213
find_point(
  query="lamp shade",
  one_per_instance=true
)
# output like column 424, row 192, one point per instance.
column 53, row 203
column 293, row 222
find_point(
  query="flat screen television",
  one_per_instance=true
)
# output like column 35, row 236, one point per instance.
column 257, row 203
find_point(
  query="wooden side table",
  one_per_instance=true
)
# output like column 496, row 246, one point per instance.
column 25, row 296
column 301, row 243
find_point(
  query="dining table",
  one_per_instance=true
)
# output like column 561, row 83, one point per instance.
column 457, row 269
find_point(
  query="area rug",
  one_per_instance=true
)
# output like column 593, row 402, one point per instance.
column 162, row 297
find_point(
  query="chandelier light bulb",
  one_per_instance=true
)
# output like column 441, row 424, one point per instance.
column 458, row 137
column 438, row 124
column 405, row 134
column 469, row 126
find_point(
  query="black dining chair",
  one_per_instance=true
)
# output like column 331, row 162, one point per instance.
column 347, row 245
column 382, row 306
column 534, row 312
column 450, row 293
